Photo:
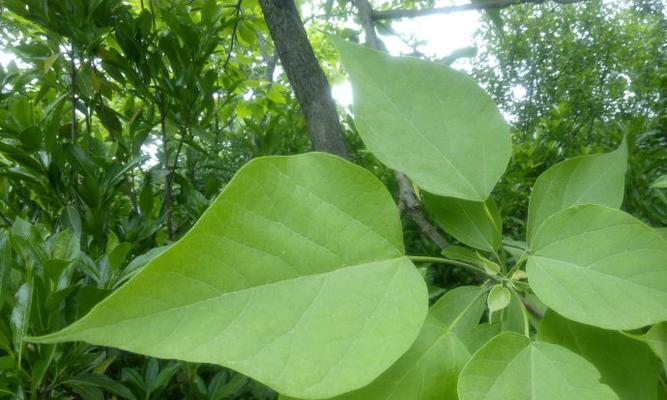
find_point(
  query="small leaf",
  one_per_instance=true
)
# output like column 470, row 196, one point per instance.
column 48, row 63
column 100, row 381
column 460, row 308
column 461, row 253
column 660, row 183
column 474, row 223
column 600, row 266
column 20, row 318
column 499, row 298
column 510, row 366
column 491, row 268
column 290, row 278
column 626, row 365
column 432, row 133
column 591, row 179
column 6, row 263
column 511, row 318
column 274, row 94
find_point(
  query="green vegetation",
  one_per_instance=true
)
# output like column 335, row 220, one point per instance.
column 171, row 225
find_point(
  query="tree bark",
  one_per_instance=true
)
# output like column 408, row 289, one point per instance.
column 305, row 75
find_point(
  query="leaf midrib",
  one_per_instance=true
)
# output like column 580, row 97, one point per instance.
column 66, row 333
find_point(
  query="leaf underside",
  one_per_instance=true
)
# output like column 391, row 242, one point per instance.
column 590, row 179
column 600, row 266
column 290, row 277
column 432, row 133
column 511, row 367
column 627, row 365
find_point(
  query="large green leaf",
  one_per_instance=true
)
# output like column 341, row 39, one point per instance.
column 591, row 179
column 628, row 366
column 429, row 121
column 510, row 366
column 429, row 369
column 475, row 223
column 600, row 266
column 295, row 276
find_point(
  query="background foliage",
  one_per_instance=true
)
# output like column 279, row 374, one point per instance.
column 120, row 121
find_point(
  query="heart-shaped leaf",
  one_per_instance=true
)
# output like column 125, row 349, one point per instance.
column 428, row 121
column 600, row 266
column 510, row 366
column 590, row 179
column 628, row 366
column 295, row 276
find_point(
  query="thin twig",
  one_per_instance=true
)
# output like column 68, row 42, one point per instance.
column 73, row 91
column 532, row 308
column 397, row 14
column 408, row 202
column 166, row 204
column 233, row 39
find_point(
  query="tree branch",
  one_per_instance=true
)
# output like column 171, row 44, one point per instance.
column 537, row 313
column 407, row 202
column 73, row 91
column 397, row 14
column 237, row 14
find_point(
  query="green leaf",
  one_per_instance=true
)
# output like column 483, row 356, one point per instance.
column 499, row 298
column 64, row 245
column 460, row 309
column 461, row 253
column 20, row 318
column 290, row 277
column 591, row 179
column 656, row 339
column 479, row 335
column 430, row 368
column 510, row 366
column 660, row 183
column 662, row 231
column 512, row 317
column 101, row 381
column 6, row 263
column 428, row 121
column 600, row 266
column 474, row 223
column 118, row 254
column 626, row 365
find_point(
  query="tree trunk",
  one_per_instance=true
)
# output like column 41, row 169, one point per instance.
column 305, row 75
